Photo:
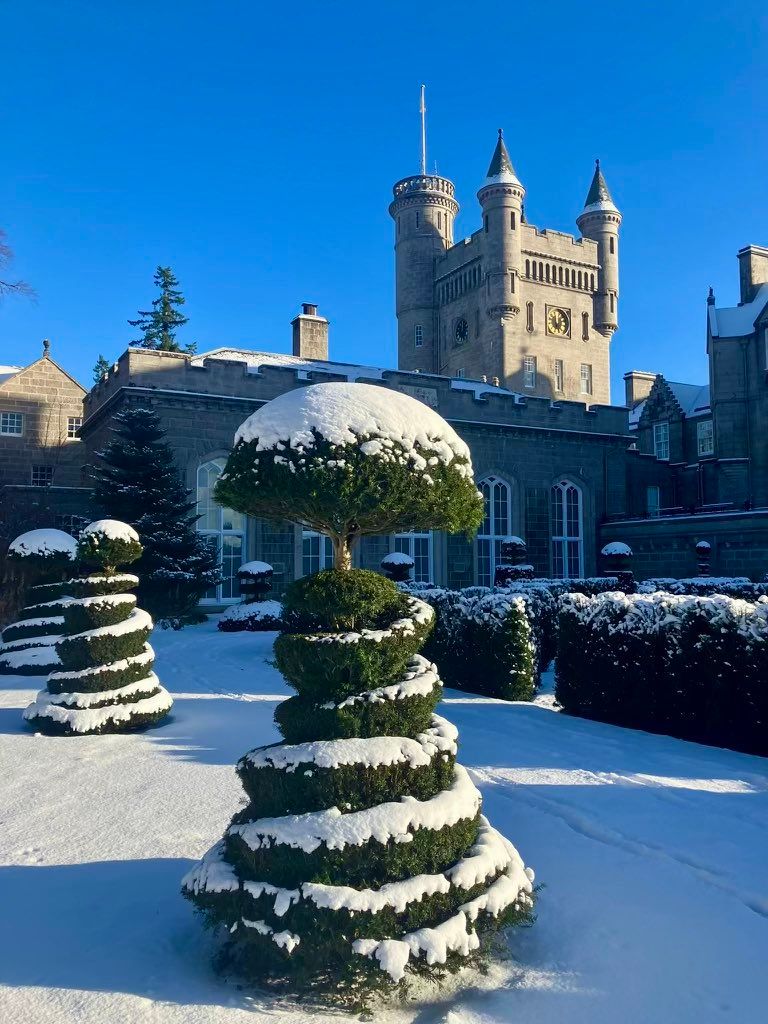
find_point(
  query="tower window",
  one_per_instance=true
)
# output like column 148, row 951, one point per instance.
column 418, row 336
column 535, row 271
column 529, row 372
column 579, row 279
column 529, row 317
column 547, row 273
column 439, row 219
column 477, row 323
column 612, row 244
column 398, row 225
column 586, row 378
column 512, row 223
column 417, row 218
column 541, row 271
column 559, row 275
column 559, row 375
column 527, row 268
column 592, row 282
column 613, row 301
column 485, row 223
column 585, row 326
column 567, row 277
column 512, row 282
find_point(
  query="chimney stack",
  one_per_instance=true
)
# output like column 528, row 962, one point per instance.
column 310, row 333
column 753, row 270
column 637, row 387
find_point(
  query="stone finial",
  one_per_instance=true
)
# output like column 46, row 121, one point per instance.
column 46, row 348
column 711, row 296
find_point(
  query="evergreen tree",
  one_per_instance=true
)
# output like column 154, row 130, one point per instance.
column 101, row 368
column 138, row 480
column 159, row 324
column 362, row 855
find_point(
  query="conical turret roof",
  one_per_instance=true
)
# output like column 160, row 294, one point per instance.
column 501, row 169
column 599, row 197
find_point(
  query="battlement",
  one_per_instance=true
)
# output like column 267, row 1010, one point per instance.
column 238, row 375
column 559, row 244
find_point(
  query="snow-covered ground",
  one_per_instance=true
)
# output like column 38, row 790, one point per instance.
column 653, row 854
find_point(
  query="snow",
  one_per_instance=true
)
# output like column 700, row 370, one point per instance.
column 254, row 568
column 6, row 372
column 86, row 719
column 419, row 680
column 112, row 529
column 22, row 657
column 385, row 421
column 30, row 641
column 254, row 610
column 81, row 699
column 397, row 558
column 136, row 621
column 616, row 547
column 651, row 852
column 421, row 613
column 395, row 820
column 44, row 542
column 603, row 206
column 146, row 657
column 738, row 321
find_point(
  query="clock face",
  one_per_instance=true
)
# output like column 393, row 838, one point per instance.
column 462, row 331
column 558, row 323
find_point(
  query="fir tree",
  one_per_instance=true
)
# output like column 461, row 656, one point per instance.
column 159, row 324
column 101, row 368
column 138, row 480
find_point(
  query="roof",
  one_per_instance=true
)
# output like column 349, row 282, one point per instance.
column 6, row 372
column 693, row 399
column 737, row 321
column 501, row 169
column 599, row 198
column 255, row 360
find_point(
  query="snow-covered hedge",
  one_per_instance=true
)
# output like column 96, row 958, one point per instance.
column 707, row 586
column 253, row 617
column 692, row 667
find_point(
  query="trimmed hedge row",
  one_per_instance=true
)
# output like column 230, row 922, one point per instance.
column 707, row 586
column 691, row 667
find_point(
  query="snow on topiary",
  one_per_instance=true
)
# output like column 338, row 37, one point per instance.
column 252, row 617
column 397, row 566
column 362, row 855
column 39, row 556
column 106, row 682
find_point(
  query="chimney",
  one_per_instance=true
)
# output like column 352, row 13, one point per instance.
column 637, row 386
column 753, row 270
column 310, row 333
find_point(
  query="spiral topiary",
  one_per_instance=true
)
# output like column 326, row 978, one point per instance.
column 39, row 558
column 362, row 855
column 106, row 683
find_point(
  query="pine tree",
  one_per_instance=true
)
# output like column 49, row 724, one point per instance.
column 138, row 480
column 101, row 368
column 362, row 855
column 159, row 324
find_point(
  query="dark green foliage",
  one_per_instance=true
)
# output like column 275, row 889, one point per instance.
column 362, row 867
column 104, row 678
column 301, row 720
column 137, row 479
column 101, row 368
column 42, row 611
column 24, row 630
column 332, row 667
column 160, row 324
column 101, row 551
column 136, row 723
column 273, row 792
column 81, row 617
column 707, row 587
column 691, row 667
column 333, row 601
column 86, row 652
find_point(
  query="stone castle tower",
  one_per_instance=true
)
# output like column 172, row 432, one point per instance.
column 534, row 308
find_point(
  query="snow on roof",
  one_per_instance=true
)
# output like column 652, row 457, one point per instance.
column 44, row 542
column 479, row 387
column 738, row 321
column 255, row 360
column 635, row 413
column 603, row 206
column 693, row 399
column 6, row 372
column 345, row 413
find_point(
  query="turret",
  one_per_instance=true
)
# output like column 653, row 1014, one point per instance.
column 501, row 196
column 423, row 210
column 600, row 221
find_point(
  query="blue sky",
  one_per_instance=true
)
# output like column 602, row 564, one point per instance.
column 253, row 148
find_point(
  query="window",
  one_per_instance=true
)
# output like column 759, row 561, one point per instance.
column 42, row 476
column 477, row 323
column 652, row 500
column 585, row 326
column 419, row 547
column 12, row 423
column 439, row 219
column 567, row 277
column 559, row 375
column 586, row 378
column 485, row 223
column 316, row 552
column 565, row 505
column 529, row 317
column 461, row 372
column 592, row 282
column 223, row 529
column 613, row 302
column 705, row 438
column 546, row 273
column 417, row 219
column 73, row 425
column 559, row 275
column 612, row 244
column 418, row 336
column 497, row 499
column 529, row 372
column 661, row 440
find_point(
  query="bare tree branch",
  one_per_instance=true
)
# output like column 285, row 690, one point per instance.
column 10, row 287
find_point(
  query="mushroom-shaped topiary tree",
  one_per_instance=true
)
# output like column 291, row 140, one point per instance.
column 362, row 855
column 41, row 560
column 106, row 683
column 397, row 566
column 255, row 613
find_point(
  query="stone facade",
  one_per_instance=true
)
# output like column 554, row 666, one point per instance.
column 533, row 308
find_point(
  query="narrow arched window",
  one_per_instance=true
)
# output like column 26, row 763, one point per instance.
column 612, row 243
column 579, row 279
column 585, row 326
column 592, row 282
column 485, row 221
column 512, row 223
column 567, row 277
column 439, row 220
column 613, row 302
column 541, row 271
column 527, row 268
column 567, row 530
column 529, row 316
column 559, row 275
column 547, row 272
column 535, row 271
column 497, row 524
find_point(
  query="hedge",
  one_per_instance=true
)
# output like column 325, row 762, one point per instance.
column 692, row 667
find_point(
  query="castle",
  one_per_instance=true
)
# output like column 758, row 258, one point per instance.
column 533, row 309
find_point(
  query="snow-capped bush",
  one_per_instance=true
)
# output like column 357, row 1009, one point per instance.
column 706, row 586
column 693, row 667
column 104, row 680
column 361, row 856
column 397, row 566
column 252, row 617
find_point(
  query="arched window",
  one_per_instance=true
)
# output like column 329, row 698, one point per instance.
column 592, row 282
column 541, row 271
column 547, row 272
column 567, row 277
column 316, row 552
column 566, row 524
column 559, row 275
column 439, row 219
column 485, row 222
column 579, row 279
column 585, row 326
column 527, row 268
column 224, row 529
column 512, row 223
column 529, row 317
column 535, row 271
column 497, row 524
column 613, row 244
column 419, row 547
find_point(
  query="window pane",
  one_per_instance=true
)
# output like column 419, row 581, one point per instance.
column 484, row 563
column 231, row 560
